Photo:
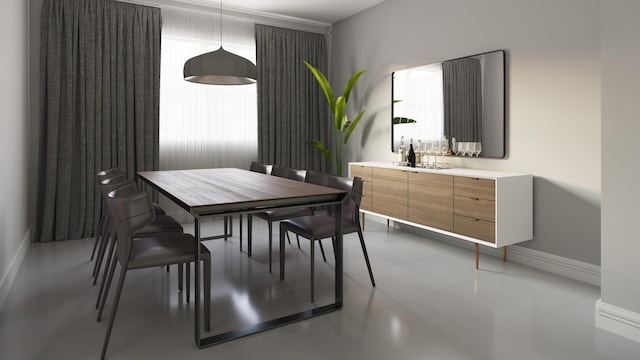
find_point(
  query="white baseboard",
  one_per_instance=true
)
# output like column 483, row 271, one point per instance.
column 618, row 320
column 570, row 268
column 7, row 278
column 573, row 269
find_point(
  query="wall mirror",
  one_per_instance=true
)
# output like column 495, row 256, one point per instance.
column 461, row 98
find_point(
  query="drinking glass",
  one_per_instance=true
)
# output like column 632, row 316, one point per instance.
column 478, row 149
column 444, row 148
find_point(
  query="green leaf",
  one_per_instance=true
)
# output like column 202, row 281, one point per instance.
column 353, row 125
column 341, row 104
column 350, row 84
column 324, row 85
column 320, row 146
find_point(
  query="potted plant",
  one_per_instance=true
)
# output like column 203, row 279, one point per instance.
column 343, row 126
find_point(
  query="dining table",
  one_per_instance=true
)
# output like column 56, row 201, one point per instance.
column 221, row 192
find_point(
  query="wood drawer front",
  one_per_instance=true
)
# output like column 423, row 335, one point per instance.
column 475, row 208
column 475, row 228
column 390, row 192
column 431, row 200
column 366, row 203
column 475, row 187
column 366, row 173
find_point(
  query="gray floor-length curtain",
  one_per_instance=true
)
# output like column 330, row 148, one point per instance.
column 291, row 107
column 462, row 88
column 100, row 77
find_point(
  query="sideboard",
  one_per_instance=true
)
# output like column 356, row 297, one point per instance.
column 490, row 208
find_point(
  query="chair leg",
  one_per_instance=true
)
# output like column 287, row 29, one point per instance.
column 288, row 238
column 313, row 245
column 188, row 281
column 240, row 221
column 180, row 277
column 104, row 275
column 101, row 249
column 98, row 235
column 270, row 238
column 366, row 257
column 112, row 317
column 333, row 243
column 282, row 232
column 226, row 229
column 249, row 233
column 112, row 246
column 106, row 289
column 298, row 240
column 322, row 250
column 207, row 295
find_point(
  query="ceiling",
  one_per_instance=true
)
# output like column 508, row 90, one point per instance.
column 323, row 11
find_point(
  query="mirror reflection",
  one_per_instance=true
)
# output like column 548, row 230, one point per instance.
column 460, row 99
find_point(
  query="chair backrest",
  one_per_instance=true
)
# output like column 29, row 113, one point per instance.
column 125, row 189
column 289, row 173
column 351, row 202
column 109, row 184
column 101, row 175
column 261, row 168
column 317, row 178
column 129, row 214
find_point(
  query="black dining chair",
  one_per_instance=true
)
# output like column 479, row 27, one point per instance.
column 259, row 168
column 106, row 185
column 277, row 215
column 130, row 214
column 101, row 176
column 319, row 227
column 104, row 176
column 161, row 224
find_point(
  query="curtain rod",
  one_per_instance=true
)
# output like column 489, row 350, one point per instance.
column 255, row 17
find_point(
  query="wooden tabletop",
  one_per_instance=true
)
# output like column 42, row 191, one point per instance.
column 222, row 190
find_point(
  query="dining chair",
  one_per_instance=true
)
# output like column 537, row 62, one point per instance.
column 100, row 176
column 130, row 214
column 106, row 185
column 319, row 227
column 260, row 168
column 277, row 215
column 161, row 224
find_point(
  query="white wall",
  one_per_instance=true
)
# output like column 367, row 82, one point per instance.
column 553, row 95
column 621, row 153
column 14, row 227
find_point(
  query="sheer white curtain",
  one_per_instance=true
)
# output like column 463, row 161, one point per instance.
column 422, row 100
column 205, row 126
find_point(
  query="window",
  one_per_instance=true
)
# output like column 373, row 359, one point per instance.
column 204, row 126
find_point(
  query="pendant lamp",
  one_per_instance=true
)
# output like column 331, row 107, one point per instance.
column 220, row 67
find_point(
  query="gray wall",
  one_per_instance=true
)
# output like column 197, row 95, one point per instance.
column 620, row 153
column 14, row 141
column 553, row 95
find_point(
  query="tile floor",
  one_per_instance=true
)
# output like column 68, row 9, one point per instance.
column 429, row 303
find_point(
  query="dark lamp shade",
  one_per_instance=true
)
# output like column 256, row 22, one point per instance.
column 220, row 67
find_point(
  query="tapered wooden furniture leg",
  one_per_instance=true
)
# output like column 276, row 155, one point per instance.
column 504, row 253
column 362, row 221
column 477, row 255
column 387, row 222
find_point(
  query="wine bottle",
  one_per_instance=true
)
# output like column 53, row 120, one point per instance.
column 412, row 155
